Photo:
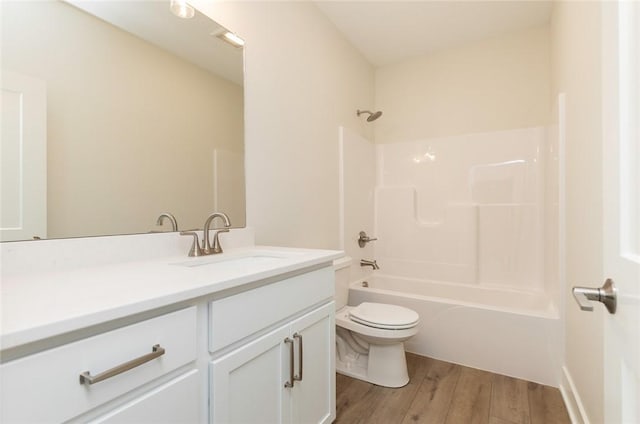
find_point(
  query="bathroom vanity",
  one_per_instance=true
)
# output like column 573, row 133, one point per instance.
column 243, row 336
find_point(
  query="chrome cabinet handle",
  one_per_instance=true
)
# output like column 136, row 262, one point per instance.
column 88, row 379
column 607, row 294
column 299, row 337
column 292, row 378
column 364, row 239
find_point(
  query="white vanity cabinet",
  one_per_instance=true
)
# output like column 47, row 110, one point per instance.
column 159, row 355
column 279, row 373
column 243, row 337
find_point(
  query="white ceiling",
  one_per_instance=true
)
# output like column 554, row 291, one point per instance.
column 391, row 31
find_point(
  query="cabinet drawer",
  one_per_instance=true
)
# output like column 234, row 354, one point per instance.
column 235, row 317
column 46, row 387
column 173, row 402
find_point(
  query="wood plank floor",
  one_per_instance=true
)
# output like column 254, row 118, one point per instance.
column 444, row 393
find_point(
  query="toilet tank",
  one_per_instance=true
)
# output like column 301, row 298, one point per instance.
column 342, row 269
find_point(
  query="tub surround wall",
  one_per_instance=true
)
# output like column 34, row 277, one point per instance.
column 463, row 209
column 554, row 224
column 445, row 250
column 471, row 219
column 554, row 195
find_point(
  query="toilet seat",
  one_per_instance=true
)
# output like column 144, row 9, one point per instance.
column 384, row 316
column 344, row 320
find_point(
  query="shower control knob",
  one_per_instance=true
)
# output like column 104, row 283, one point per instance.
column 364, row 239
column 607, row 294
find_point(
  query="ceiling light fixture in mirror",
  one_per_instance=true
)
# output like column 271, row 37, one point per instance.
column 182, row 9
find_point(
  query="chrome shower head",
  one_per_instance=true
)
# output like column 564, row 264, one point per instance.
column 372, row 115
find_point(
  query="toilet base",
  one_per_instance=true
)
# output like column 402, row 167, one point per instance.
column 385, row 365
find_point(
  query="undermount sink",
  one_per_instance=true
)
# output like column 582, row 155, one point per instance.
column 238, row 259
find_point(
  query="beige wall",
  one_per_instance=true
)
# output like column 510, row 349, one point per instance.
column 302, row 81
column 576, row 57
column 495, row 84
column 109, row 171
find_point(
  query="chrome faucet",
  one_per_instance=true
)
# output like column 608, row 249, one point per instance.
column 207, row 249
column 170, row 217
column 373, row 264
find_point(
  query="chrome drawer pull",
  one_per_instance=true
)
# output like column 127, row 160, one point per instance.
column 299, row 376
column 292, row 378
column 88, row 379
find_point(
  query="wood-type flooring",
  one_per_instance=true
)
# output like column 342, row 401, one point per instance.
column 444, row 393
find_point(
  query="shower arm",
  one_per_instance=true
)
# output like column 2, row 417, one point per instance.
column 372, row 115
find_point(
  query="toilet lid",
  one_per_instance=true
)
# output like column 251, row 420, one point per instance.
column 381, row 315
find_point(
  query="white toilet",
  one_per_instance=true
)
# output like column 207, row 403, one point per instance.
column 370, row 336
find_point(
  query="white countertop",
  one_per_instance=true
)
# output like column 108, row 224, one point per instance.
column 39, row 305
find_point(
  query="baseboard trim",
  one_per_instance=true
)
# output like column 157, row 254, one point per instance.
column 572, row 401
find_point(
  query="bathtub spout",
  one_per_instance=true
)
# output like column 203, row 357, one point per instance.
column 373, row 264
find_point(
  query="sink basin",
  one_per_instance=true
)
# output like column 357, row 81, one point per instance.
column 244, row 259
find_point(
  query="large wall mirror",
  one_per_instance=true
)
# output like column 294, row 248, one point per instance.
column 114, row 112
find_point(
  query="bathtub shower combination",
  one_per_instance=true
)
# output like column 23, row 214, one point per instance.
column 465, row 232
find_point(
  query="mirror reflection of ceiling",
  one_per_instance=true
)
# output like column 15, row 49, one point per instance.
column 132, row 131
column 191, row 39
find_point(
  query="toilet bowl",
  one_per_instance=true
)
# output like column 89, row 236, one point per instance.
column 370, row 336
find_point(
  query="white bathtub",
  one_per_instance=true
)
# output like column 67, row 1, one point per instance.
column 502, row 331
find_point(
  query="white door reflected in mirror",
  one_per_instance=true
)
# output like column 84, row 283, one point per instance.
column 23, row 154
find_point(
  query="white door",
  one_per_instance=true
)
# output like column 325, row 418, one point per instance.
column 621, row 165
column 23, row 158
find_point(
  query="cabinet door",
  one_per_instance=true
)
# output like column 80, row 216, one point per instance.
column 174, row 402
column 313, row 398
column 247, row 384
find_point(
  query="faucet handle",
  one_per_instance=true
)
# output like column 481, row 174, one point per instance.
column 217, row 247
column 364, row 239
column 195, row 247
